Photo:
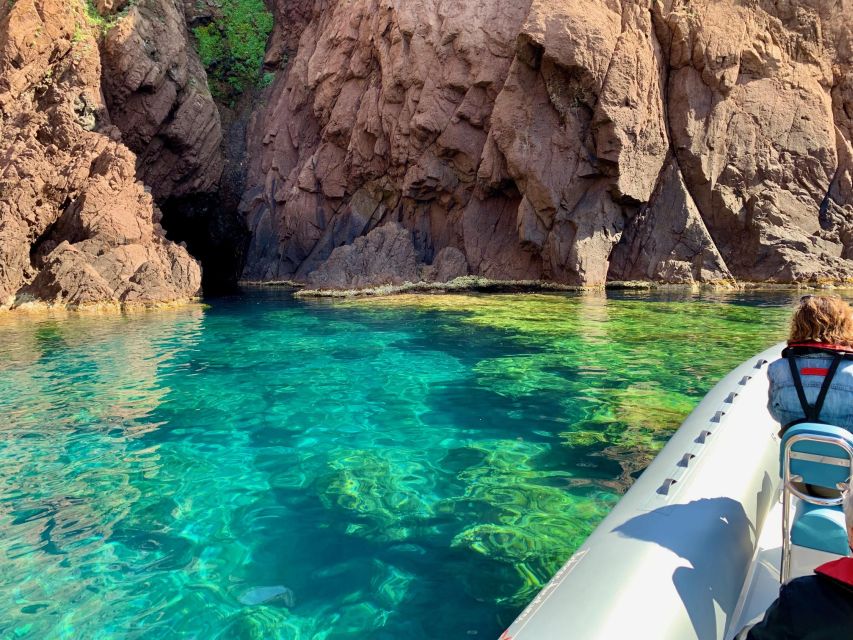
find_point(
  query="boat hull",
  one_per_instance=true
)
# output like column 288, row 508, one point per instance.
column 671, row 560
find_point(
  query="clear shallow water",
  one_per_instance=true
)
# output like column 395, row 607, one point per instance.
column 409, row 468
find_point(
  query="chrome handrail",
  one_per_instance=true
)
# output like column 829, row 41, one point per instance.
column 789, row 490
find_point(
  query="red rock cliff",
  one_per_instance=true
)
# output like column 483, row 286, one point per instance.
column 574, row 140
column 84, row 117
column 581, row 141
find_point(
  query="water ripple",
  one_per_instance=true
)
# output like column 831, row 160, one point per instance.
column 412, row 468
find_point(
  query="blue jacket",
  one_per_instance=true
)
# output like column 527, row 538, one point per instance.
column 784, row 405
column 818, row 607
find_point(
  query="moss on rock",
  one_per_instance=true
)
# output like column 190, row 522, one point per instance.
column 233, row 45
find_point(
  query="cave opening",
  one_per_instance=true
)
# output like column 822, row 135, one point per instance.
column 214, row 233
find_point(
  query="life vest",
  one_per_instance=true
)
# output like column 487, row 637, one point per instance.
column 811, row 412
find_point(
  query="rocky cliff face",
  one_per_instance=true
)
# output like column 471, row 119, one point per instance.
column 89, row 107
column 580, row 141
column 574, row 140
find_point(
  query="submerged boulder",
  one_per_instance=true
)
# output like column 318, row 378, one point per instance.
column 267, row 595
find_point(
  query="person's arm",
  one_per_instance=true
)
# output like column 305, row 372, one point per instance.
column 779, row 621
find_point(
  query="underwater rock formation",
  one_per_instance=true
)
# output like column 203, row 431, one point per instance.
column 578, row 141
column 77, row 226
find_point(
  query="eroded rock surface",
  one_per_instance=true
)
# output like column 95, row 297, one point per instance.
column 668, row 241
column 157, row 94
column 574, row 140
column 579, row 141
column 76, row 226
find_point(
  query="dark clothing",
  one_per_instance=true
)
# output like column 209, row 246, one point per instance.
column 818, row 607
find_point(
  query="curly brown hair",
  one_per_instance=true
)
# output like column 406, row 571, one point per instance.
column 823, row 319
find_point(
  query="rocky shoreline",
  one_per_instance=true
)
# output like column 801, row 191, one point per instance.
column 473, row 284
column 574, row 142
column 40, row 308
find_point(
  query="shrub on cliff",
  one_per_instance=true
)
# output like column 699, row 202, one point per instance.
column 105, row 22
column 232, row 46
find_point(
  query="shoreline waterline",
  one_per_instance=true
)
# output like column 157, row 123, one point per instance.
column 40, row 308
column 467, row 284
column 475, row 284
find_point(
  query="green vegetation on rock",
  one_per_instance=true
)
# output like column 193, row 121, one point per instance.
column 232, row 47
column 105, row 23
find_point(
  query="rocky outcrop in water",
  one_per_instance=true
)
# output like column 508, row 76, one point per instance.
column 77, row 226
column 577, row 141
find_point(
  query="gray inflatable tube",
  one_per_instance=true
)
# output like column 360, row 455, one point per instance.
column 670, row 561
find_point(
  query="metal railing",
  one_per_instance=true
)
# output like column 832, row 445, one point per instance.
column 789, row 490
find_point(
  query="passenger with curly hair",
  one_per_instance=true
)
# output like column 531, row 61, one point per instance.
column 813, row 381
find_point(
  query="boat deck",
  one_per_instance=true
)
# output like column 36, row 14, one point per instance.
column 761, row 587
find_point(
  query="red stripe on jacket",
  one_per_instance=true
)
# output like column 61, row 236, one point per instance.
column 814, row 371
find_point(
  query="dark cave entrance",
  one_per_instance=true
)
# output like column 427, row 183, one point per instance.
column 214, row 233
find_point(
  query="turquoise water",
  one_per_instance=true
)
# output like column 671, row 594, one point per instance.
column 395, row 469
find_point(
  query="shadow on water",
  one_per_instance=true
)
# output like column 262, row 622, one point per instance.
column 701, row 532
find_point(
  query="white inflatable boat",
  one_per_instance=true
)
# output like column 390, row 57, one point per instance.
column 694, row 548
